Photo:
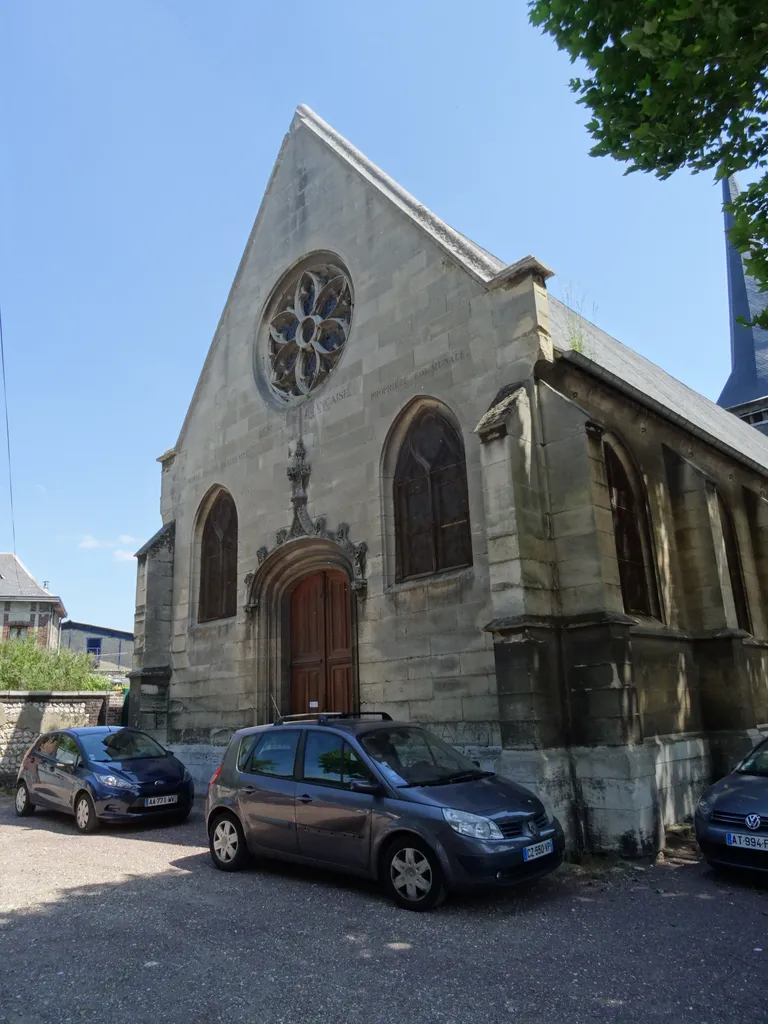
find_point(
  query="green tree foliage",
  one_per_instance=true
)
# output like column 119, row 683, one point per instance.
column 676, row 83
column 25, row 666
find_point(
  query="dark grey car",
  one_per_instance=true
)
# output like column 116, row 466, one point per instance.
column 376, row 798
column 732, row 816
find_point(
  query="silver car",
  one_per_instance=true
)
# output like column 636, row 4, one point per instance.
column 381, row 799
column 732, row 816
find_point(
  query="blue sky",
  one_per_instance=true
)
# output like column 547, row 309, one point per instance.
column 137, row 141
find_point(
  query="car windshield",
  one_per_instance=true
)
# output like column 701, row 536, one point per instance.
column 411, row 756
column 756, row 763
column 126, row 745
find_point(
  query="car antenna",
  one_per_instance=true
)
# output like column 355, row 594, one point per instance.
column 277, row 709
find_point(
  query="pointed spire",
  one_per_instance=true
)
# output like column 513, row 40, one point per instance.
column 749, row 345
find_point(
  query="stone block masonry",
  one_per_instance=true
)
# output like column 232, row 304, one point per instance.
column 25, row 714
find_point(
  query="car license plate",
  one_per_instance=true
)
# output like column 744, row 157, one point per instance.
column 748, row 842
column 161, row 801
column 539, row 850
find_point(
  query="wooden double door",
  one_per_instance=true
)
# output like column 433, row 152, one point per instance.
column 321, row 644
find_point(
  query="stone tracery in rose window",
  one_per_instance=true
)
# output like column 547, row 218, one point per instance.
column 309, row 329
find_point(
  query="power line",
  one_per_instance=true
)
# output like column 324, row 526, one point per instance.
column 7, row 431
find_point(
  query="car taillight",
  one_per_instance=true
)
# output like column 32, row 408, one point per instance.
column 215, row 776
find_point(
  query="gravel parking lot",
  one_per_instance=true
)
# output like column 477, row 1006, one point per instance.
column 134, row 925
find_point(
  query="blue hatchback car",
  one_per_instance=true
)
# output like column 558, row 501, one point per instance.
column 103, row 773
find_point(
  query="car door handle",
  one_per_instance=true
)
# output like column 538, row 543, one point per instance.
column 306, row 799
column 248, row 790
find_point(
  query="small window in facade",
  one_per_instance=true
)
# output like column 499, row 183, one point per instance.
column 93, row 646
column 733, row 560
column 218, row 561
column 632, row 535
column 18, row 632
column 432, row 530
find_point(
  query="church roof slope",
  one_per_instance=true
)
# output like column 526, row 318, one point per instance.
column 586, row 345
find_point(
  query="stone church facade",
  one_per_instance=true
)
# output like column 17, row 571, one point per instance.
column 410, row 480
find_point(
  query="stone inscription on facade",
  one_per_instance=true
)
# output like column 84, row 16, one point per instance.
column 216, row 467
column 426, row 371
column 310, row 410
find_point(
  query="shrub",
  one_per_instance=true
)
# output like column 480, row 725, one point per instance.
column 25, row 666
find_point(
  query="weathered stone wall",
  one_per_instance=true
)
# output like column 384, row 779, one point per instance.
column 25, row 714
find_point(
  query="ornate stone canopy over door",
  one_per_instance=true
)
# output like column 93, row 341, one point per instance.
column 304, row 640
column 321, row 644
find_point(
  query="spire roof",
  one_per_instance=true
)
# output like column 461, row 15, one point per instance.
column 749, row 345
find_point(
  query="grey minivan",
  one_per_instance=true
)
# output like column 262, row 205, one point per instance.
column 382, row 799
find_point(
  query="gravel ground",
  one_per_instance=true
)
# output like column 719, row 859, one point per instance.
column 134, row 925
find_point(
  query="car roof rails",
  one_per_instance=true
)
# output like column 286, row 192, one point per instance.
column 323, row 717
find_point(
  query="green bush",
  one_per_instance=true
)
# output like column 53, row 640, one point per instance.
column 25, row 666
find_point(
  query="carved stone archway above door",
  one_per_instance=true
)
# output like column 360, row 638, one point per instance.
column 303, row 527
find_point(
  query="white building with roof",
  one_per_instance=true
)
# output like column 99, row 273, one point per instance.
column 28, row 608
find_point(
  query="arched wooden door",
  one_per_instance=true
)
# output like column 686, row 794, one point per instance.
column 321, row 644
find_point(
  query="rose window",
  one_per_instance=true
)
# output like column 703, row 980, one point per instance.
column 308, row 329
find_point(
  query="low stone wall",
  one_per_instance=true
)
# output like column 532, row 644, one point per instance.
column 25, row 714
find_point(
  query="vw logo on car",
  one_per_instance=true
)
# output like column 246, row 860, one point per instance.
column 731, row 818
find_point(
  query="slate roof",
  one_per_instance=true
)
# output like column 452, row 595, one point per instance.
column 749, row 345
column 87, row 627
column 638, row 377
column 17, row 583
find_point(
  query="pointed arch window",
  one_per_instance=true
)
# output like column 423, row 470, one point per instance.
column 733, row 561
column 432, row 528
column 632, row 534
column 218, row 561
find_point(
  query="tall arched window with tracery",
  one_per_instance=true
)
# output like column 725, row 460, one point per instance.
column 733, row 561
column 431, row 504
column 218, row 561
column 632, row 533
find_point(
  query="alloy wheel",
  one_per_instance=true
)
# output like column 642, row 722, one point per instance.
column 21, row 799
column 411, row 874
column 225, row 841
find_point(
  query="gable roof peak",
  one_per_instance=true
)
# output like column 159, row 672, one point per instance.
column 478, row 261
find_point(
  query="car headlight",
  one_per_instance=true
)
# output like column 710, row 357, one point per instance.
column 704, row 808
column 187, row 776
column 473, row 825
column 114, row 782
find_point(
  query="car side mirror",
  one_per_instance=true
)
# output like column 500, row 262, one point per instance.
column 66, row 766
column 366, row 786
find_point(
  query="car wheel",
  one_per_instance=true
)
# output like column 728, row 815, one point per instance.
column 227, row 844
column 23, row 804
column 85, row 815
column 412, row 875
